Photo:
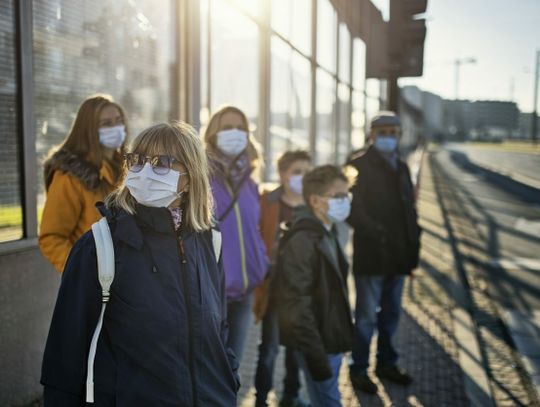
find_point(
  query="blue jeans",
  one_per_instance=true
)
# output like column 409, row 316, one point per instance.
column 268, row 351
column 323, row 393
column 239, row 319
column 378, row 305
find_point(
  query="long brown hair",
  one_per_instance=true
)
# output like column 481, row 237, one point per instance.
column 180, row 141
column 82, row 140
column 214, row 126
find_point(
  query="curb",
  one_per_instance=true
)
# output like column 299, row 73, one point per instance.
column 514, row 176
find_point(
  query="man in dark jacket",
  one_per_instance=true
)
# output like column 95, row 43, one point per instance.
column 311, row 274
column 386, row 245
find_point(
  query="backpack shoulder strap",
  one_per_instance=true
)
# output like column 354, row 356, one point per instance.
column 216, row 243
column 105, row 263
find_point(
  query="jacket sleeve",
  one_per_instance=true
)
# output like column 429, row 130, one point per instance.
column 296, row 281
column 359, row 218
column 74, row 319
column 233, row 361
column 61, row 213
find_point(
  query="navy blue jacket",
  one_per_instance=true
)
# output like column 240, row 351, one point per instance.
column 164, row 332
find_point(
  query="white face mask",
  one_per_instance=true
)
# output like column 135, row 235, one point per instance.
column 151, row 189
column 232, row 142
column 295, row 183
column 112, row 137
column 339, row 209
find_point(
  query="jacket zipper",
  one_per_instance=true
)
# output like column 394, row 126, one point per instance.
column 242, row 246
column 183, row 261
column 245, row 278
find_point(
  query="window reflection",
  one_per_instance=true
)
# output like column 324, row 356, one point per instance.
column 123, row 48
column 292, row 20
column 344, row 129
column 290, row 102
column 10, row 192
column 234, row 59
column 344, row 53
column 326, row 35
column 326, row 99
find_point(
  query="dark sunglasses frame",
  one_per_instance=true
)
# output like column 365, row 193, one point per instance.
column 161, row 164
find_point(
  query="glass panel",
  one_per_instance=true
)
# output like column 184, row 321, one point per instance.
column 235, row 68
column 357, row 120
column 10, row 183
column 344, row 53
column 326, row 99
column 359, row 64
column 292, row 20
column 373, row 105
column 252, row 7
column 326, row 35
column 123, row 48
column 289, row 101
column 344, row 133
column 204, row 114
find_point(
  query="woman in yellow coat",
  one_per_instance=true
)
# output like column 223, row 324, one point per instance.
column 80, row 172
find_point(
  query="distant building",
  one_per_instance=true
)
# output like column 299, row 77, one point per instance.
column 463, row 119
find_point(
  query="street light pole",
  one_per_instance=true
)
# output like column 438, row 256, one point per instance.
column 535, row 103
column 458, row 62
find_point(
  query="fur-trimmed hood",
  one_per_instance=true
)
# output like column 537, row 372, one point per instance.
column 63, row 160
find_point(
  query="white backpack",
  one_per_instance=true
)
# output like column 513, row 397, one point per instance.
column 105, row 263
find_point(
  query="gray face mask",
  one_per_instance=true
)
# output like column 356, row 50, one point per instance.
column 112, row 137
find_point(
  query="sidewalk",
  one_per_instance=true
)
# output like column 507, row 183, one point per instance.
column 427, row 333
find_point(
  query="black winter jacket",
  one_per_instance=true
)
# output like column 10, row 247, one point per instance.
column 164, row 332
column 383, row 214
column 311, row 294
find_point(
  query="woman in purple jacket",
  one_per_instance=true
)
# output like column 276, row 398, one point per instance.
column 233, row 159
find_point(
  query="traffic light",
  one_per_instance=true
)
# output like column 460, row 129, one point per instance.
column 406, row 37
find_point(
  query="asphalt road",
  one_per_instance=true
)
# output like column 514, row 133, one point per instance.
column 508, row 216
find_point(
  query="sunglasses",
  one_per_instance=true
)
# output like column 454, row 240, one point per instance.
column 161, row 164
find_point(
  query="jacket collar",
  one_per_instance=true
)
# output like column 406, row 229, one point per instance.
column 373, row 155
column 275, row 195
column 326, row 243
column 129, row 228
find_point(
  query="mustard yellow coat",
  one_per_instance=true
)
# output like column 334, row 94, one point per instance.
column 69, row 212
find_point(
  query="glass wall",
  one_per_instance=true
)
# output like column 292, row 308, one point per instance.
column 234, row 70
column 358, row 117
column 10, row 176
column 123, row 48
column 326, row 102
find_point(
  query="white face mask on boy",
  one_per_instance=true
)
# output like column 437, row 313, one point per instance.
column 339, row 209
column 232, row 142
column 151, row 189
column 295, row 183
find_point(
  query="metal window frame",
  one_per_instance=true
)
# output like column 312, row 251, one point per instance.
column 26, row 139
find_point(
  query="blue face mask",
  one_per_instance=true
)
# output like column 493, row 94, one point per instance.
column 339, row 209
column 386, row 144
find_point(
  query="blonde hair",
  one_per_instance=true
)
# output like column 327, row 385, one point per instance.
column 214, row 126
column 180, row 141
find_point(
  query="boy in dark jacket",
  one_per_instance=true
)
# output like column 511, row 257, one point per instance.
column 314, row 313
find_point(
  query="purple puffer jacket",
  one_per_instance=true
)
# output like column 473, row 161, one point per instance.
column 244, row 254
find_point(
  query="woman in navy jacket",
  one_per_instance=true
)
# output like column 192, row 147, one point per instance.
column 164, row 335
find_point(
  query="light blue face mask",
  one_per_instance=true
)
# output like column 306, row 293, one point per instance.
column 339, row 209
column 386, row 144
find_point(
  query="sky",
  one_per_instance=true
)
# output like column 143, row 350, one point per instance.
column 502, row 35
